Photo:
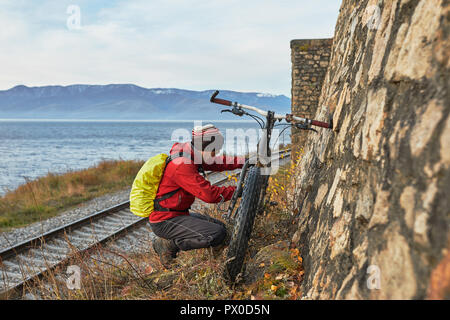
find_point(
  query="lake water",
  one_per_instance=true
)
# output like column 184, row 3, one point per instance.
column 29, row 149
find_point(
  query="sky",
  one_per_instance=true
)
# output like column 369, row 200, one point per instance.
column 188, row 44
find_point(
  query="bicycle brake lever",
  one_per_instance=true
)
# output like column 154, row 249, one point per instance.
column 237, row 111
column 301, row 126
column 304, row 126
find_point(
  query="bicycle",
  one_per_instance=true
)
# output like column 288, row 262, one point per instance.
column 252, row 184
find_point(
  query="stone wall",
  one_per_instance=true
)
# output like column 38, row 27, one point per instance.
column 372, row 197
column 309, row 65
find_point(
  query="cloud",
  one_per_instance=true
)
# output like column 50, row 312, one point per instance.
column 195, row 44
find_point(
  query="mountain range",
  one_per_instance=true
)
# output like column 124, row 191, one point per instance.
column 126, row 102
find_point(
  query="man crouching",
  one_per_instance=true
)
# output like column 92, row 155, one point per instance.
column 176, row 227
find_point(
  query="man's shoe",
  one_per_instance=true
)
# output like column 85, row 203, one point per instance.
column 166, row 250
column 217, row 250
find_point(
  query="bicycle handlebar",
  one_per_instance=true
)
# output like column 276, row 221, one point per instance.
column 322, row 124
column 287, row 117
column 220, row 101
column 214, row 95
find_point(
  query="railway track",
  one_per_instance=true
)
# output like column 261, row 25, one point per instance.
column 26, row 261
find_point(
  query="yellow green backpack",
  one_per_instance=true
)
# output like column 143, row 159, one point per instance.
column 146, row 184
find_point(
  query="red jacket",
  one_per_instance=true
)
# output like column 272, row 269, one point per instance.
column 185, row 176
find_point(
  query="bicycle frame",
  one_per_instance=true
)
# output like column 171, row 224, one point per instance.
column 263, row 150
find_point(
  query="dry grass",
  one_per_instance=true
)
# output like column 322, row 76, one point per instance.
column 46, row 196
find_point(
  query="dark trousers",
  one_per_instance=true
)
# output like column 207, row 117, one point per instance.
column 193, row 231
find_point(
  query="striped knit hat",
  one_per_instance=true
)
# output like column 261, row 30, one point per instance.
column 207, row 136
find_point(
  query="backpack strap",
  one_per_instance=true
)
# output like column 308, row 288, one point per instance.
column 158, row 207
column 165, row 196
column 202, row 171
column 180, row 155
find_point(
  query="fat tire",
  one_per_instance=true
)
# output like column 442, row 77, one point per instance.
column 244, row 224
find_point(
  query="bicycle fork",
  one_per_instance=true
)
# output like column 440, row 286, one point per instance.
column 264, row 160
column 237, row 193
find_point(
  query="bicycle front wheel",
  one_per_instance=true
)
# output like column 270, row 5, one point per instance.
column 244, row 224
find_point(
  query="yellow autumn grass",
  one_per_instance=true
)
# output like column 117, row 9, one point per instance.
column 46, row 196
